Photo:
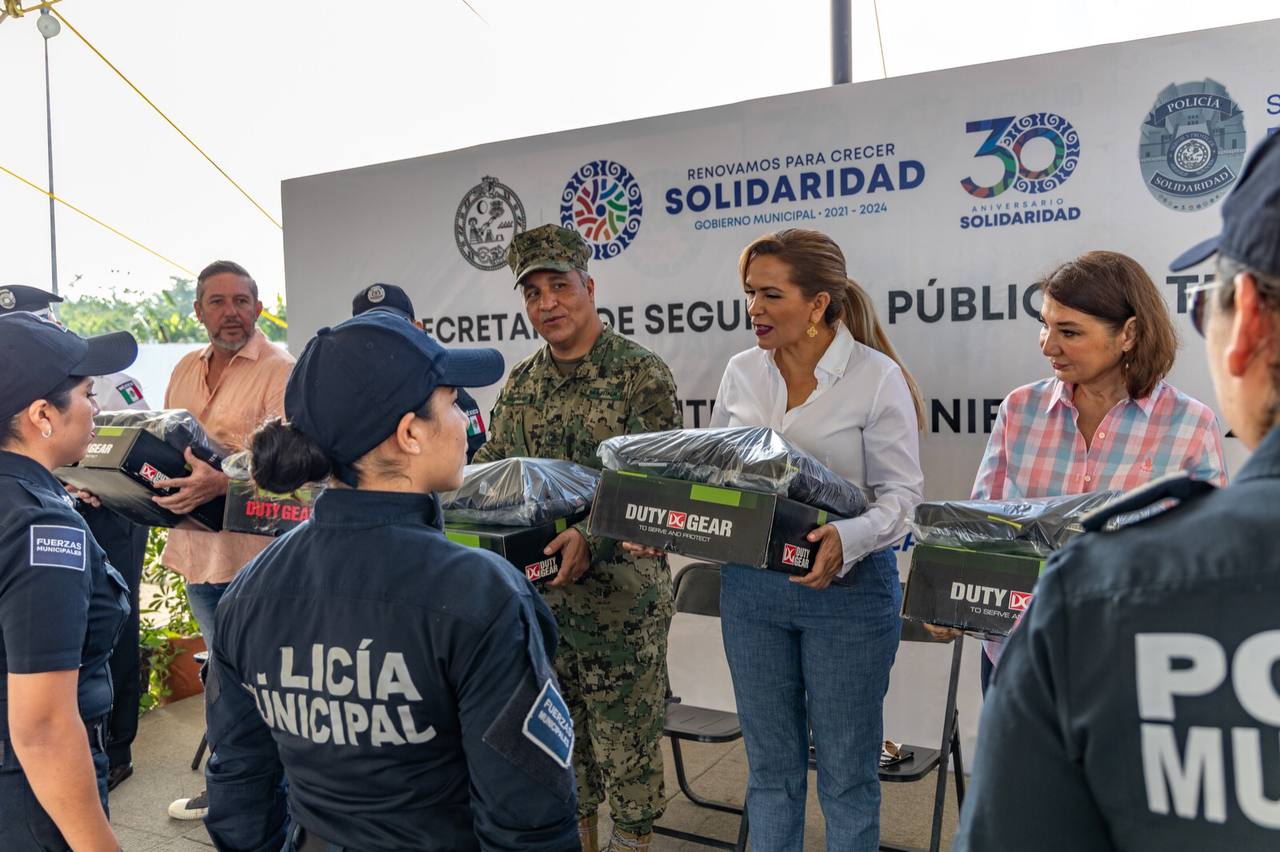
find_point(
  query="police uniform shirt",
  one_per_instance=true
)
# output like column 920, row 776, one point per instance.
column 61, row 602
column 401, row 681
column 1138, row 708
column 118, row 392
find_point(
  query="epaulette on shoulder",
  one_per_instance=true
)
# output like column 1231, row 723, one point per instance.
column 1177, row 487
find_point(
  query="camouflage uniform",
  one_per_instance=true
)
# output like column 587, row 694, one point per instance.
column 613, row 621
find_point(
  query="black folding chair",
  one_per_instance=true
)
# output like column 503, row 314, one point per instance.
column 697, row 592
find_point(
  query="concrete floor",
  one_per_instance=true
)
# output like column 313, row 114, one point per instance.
column 168, row 736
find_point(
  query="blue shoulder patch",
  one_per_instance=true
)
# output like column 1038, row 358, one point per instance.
column 58, row 547
column 549, row 726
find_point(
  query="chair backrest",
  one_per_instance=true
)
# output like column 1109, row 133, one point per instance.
column 696, row 664
column 923, row 685
column 697, row 589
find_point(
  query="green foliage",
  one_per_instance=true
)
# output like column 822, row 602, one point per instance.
column 164, row 317
column 165, row 616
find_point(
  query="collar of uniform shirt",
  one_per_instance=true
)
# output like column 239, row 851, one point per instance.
column 1064, row 395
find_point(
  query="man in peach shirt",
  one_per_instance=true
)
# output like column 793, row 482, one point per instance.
column 231, row 386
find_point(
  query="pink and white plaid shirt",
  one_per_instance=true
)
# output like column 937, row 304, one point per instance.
column 1035, row 449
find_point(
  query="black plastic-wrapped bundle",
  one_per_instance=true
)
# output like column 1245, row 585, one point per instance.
column 177, row 427
column 1034, row 526
column 520, row 492
column 751, row 458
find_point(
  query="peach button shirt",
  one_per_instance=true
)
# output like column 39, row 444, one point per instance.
column 250, row 390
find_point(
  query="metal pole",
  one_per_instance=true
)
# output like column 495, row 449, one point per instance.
column 53, row 223
column 841, row 42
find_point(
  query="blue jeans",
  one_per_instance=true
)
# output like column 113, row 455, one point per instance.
column 802, row 658
column 204, row 598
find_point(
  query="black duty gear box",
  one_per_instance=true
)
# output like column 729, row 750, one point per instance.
column 975, row 590
column 521, row 546
column 251, row 509
column 126, row 466
column 707, row 521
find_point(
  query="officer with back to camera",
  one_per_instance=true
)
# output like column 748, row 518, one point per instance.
column 401, row 681
column 1139, row 708
column 394, row 300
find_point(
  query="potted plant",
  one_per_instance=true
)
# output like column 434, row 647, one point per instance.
column 169, row 635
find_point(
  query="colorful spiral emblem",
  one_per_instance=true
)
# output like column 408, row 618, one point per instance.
column 602, row 201
column 1006, row 138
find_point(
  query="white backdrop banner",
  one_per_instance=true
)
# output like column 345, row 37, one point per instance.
column 951, row 194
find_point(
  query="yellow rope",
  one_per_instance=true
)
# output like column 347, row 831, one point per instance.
column 150, row 103
column 270, row 317
column 96, row 220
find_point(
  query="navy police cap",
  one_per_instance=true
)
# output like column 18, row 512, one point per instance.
column 382, row 297
column 1250, row 217
column 21, row 297
column 356, row 380
column 37, row 355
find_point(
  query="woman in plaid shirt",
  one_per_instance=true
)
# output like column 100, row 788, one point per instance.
column 1107, row 419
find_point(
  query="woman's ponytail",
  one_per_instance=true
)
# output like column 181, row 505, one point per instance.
column 284, row 459
column 859, row 314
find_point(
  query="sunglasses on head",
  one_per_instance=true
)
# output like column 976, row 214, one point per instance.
column 1199, row 296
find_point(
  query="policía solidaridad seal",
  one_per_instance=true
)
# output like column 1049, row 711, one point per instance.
column 1192, row 145
column 488, row 216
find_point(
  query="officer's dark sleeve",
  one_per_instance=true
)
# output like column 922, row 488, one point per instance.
column 1028, row 789
column 469, row 407
column 501, row 442
column 247, row 807
column 522, row 787
column 44, row 590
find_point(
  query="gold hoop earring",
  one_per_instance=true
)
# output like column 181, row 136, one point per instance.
column 813, row 330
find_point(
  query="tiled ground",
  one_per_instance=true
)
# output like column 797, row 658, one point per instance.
column 168, row 737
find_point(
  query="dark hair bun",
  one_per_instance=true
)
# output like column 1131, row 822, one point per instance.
column 285, row 459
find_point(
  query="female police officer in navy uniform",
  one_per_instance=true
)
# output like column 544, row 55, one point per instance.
column 61, row 603
column 402, row 682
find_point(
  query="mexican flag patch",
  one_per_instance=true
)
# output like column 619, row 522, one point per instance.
column 130, row 391
column 475, row 425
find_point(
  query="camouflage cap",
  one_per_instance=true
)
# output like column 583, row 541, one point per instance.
column 547, row 247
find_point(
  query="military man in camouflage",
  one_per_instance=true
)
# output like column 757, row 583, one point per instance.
column 613, row 608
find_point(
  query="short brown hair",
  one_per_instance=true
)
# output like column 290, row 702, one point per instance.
column 1114, row 287
column 220, row 267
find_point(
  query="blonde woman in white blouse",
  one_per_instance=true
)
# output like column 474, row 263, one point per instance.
column 816, row 650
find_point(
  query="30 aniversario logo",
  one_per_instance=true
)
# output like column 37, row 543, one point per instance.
column 1033, row 156
column 602, row 201
column 488, row 216
column 1192, row 145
